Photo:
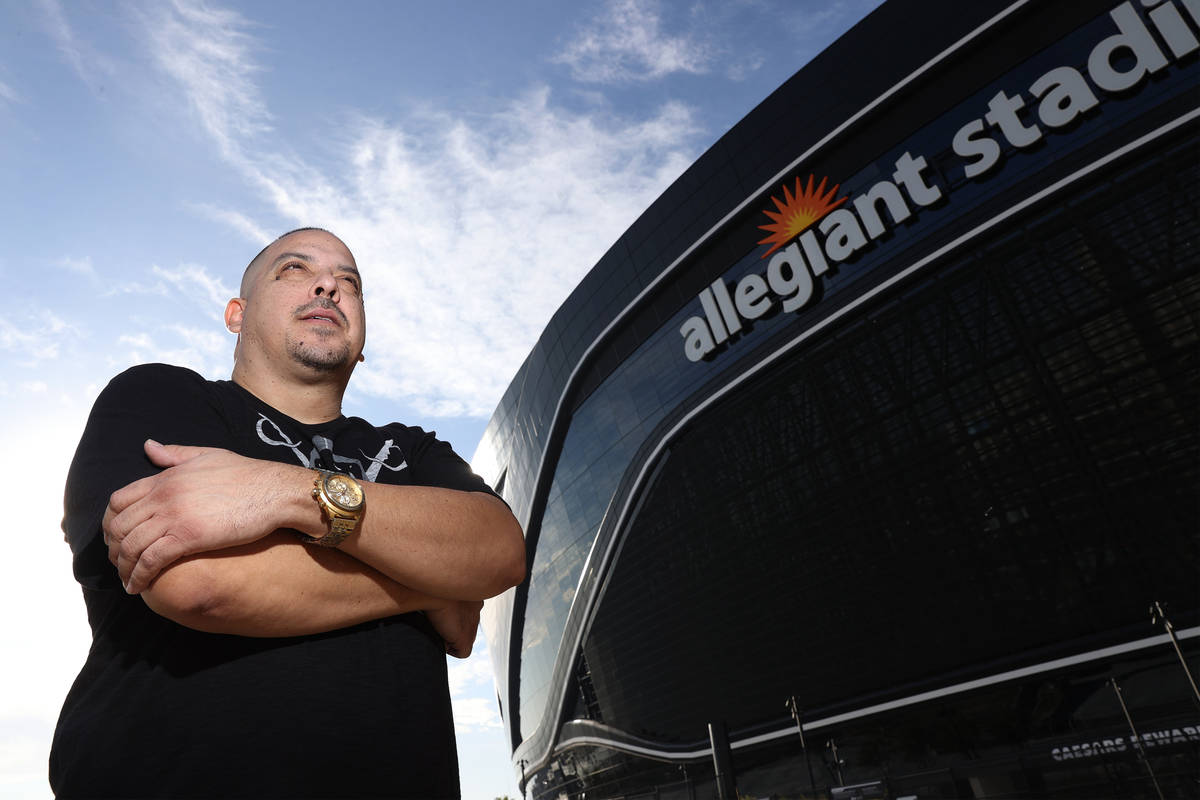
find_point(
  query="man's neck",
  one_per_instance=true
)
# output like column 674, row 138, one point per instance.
column 304, row 401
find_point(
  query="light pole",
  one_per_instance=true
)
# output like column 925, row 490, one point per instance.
column 831, row 746
column 1137, row 742
column 791, row 704
column 1157, row 615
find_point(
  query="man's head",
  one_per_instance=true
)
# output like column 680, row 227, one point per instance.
column 300, row 308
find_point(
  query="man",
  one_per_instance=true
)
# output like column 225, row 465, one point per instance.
column 272, row 587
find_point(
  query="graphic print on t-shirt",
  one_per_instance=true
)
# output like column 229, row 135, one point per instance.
column 367, row 470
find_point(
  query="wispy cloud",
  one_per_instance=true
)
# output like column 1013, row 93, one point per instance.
column 208, row 51
column 195, row 281
column 87, row 63
column 184, row 327
column 204, row 350
column 626, row 42
column 475, row 232
column 79, row 266
column 35, row 337
column 740, row 68
column 157, row 288
column 814, row 25
column 9, row 94
column 237, row 221
column 470, row 230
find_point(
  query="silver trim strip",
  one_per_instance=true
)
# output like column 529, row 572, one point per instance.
column 662, row 276
column 958, row 688
column 784, row 349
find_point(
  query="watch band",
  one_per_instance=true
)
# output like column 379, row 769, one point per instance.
column 342, row 522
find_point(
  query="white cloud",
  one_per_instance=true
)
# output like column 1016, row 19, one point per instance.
column 87, row 63
column 238, row 222
column 196, row 282
column 203, row 350
column 472, row 690
column 468, row 674
column 472, row 713
column 79, row 266
column 178, row 328
column 815, row 25
column 35, row 336
column 627, row 43
column 470, row 229
column 207, row 50
column 136, row 287
column 740, row 68
column 8, row 93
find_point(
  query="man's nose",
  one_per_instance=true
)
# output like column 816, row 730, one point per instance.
column 325, row 285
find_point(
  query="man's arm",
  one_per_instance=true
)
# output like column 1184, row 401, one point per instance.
column 278, row 587
column 440, row 542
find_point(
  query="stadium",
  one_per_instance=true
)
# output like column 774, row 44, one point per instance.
column 865, row 463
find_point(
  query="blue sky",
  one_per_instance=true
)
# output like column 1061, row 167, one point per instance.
column 477, row 157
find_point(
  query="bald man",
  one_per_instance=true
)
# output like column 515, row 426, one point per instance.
column 272, row 586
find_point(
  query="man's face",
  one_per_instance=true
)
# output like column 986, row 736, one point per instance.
column 302, row 302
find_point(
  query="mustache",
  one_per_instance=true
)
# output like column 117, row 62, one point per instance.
column 324, row 304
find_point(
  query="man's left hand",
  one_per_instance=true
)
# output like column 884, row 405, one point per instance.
column 457, row 624
column 205, row 499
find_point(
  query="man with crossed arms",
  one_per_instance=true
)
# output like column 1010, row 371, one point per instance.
column 272, row 621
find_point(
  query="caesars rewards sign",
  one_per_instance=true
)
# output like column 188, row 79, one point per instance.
column 812, row 229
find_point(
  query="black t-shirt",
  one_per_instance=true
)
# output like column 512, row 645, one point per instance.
column 162, row 710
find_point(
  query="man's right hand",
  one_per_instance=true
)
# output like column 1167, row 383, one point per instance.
column 457, row 624
column 205, row 499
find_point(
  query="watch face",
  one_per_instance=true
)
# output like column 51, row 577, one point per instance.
column 344, row 491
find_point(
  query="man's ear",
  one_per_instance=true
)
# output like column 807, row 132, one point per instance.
column 233, row 314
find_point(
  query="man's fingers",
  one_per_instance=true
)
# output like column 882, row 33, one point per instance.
column 170, row 455
column 127, row 495
column 128, row 542
column 162, row 552
column 123, row 516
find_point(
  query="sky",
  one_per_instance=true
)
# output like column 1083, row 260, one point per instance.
column 477, row 157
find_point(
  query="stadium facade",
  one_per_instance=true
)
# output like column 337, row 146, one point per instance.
column 856, row 465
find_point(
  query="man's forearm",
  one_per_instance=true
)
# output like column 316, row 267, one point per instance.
column 278, row 587
column 446, row 543
column 441, row 542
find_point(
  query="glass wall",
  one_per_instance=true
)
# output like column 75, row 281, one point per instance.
column 993, row 469
column 998, row 467
column 609, row 428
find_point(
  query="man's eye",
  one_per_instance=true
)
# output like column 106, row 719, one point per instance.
column 352, row 283
column 291, row 270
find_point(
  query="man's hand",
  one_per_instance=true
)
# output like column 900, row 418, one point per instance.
column 457, row 623
column 205, row 499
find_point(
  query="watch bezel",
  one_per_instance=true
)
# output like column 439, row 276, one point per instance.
column 327, row 476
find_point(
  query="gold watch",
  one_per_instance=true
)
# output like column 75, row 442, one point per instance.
column 342, row 501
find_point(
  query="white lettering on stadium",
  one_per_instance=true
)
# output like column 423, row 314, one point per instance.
column 1120, row 744
column 1118, row 63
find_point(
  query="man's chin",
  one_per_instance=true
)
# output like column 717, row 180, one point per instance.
column 324, row 361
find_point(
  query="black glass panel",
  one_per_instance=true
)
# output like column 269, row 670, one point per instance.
column 996, row 469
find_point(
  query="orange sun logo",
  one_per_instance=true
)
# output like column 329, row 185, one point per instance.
column 797, row 212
